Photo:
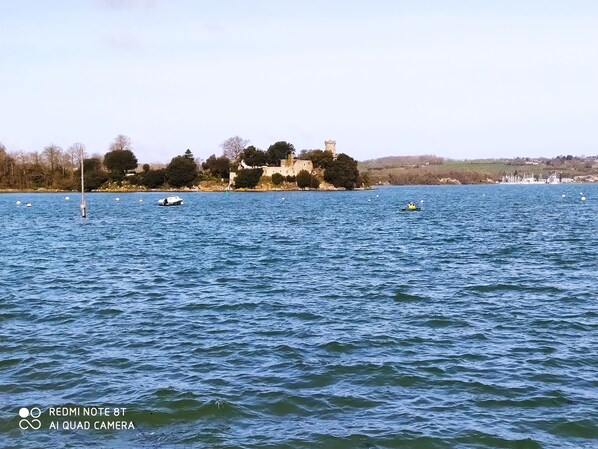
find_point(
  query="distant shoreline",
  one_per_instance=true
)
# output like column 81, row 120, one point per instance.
column 374, row 187
column 191, row 190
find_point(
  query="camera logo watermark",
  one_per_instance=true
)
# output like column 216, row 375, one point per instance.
column 29, row 418
column 75, row 418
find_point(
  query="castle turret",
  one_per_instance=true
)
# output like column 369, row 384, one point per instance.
column 330, row 145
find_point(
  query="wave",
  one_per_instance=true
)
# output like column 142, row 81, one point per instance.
column 400, row 296
column 488, row 288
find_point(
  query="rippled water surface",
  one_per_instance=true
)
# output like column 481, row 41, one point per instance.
column 304, row 319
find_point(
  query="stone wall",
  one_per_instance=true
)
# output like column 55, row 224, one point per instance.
column 288, row 167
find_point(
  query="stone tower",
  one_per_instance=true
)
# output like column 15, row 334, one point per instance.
column 330, row 145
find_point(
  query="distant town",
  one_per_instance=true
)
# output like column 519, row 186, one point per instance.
column 241, row 166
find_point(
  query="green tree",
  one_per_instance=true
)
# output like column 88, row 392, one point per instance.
column 319, row 158
column 248, row 178
column 365, row 179
column 277, row 179
column 254, row 157
column 315, row 182
column 306, row 179
column 7, row 168
column 91, row 164
column 153, row 179
column 343, row 172
column 303, row 179
column 118, row 162
column 181, row 171
column 120, row 158
column 94, row 179
column 279, row 151
column 93, row 174
column 218, row 166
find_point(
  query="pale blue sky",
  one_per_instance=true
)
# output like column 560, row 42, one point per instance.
column 461, row 79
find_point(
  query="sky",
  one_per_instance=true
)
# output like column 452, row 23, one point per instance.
column 461, row 79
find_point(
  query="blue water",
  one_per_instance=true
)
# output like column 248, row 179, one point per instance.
column 304, row 319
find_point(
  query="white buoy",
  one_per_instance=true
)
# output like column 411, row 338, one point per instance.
column 18, row 203
column 583, row 198
column 28, row 204
column 421, row 201
column 377, row 196
column 563, row 195
column 141, row 201
column 66, row 198
column 117, row 199
column 581, row 193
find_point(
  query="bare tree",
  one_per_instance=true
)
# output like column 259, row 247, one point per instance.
column 233, row 147
column 75, row 151
column 51, row 156
column 65, row 163
column 121, row 142
column 74, row 154
column 35, row 173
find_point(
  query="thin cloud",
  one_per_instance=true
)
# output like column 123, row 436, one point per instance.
column 123, row 4
column 123, row 40
column 213, row 26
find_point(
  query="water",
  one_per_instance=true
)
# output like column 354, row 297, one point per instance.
column 304, row 319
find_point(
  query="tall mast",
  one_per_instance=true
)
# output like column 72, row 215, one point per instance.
column 83, row 205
